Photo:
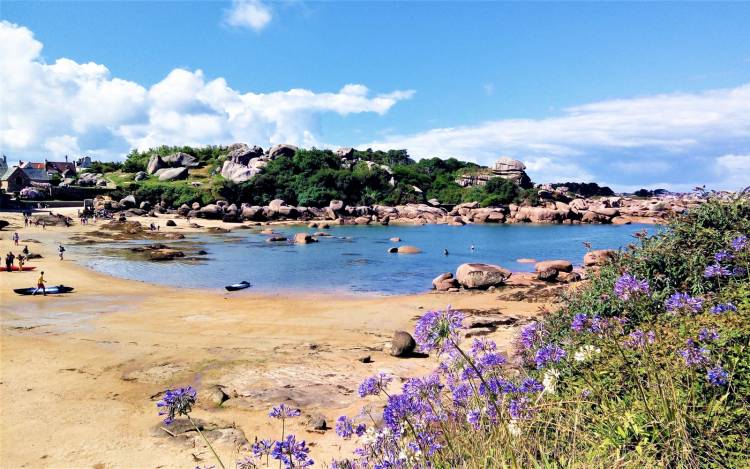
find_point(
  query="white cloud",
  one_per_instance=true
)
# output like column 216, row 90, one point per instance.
column 252, row 14
column 630, row 137
column 67, row 107
column 735, row 168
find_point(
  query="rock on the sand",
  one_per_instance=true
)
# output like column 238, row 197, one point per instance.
column 214, row 394
column 171, row 223
column 317, row 423
column 403, row 344
column 558, row 265
column 598, row 257
column 569, row 277
column 408, row 250
column 481, row 275
column 547, row 275
column 444, row 282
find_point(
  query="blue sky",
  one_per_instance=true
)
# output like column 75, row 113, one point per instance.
column 620, row 93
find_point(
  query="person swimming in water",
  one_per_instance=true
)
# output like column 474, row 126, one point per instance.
column 445, row 251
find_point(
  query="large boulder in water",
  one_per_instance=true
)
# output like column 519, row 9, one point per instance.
column 408, row 250
column 402, row 344
column 481, row 275
column 172, row 174
column 304, row 238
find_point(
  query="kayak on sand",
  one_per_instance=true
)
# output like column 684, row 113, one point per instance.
column 238, row 286
column 15, row 268
column 50, row 290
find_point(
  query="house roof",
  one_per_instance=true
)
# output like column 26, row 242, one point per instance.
column 61, row 166
column 36, row 174
column 9, row 172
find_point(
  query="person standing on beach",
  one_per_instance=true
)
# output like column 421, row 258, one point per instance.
column 26, row 250
column 9, row 258
column 15, row 238
column 40, row 285
column 61, row 249
column 21, row 261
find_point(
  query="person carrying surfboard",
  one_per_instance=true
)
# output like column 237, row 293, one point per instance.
column 40, row 285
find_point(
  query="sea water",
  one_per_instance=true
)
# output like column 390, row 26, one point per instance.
column 355, row 258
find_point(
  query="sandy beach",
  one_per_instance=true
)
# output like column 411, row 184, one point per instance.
column 81, row 373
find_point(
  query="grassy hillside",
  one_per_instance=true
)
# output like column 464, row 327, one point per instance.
column 315, row 177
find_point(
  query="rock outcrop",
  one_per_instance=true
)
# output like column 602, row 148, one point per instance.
column 481, row 276
column 172, row 174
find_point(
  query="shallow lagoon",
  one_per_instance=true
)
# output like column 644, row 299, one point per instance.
column 355, row 258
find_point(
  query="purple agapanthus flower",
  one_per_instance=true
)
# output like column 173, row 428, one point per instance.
column 519, row 408
column 374, row 385
column 176, row 402
column 723, row 308
column 695, row 355
column 496, row 385
column 435, row 328
column 639, row 339
column 627, row 287
column 723, row 255
column 398, row 409
column 739, row 243
column 262, row 448
column 707, row 335
column 530, row 385
column 578, row 324
column 292, row 453
column 716, row 270
column 344, row 427
column 682, row 302
column 717, row 376
column 531, row 335
column 474, row 417
column 283, row 412
column 547, row 354
column 739, row 271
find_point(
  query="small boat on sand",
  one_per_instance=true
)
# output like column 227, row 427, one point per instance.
column 238, row 286
column 50, row 290
column 14, row 268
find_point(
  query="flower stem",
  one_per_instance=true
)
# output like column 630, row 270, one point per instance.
column 218, row 459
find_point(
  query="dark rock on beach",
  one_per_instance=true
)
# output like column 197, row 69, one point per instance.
column 402, row 344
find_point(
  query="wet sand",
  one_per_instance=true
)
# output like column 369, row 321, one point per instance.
column 80, row 374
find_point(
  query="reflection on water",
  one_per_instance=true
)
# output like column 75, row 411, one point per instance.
column 332, row 265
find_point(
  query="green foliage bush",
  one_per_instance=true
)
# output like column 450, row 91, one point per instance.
column 631, row 371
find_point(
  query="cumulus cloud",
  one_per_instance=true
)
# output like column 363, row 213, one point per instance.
column 643, row 140
column 68, row 107
column 252, row 14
